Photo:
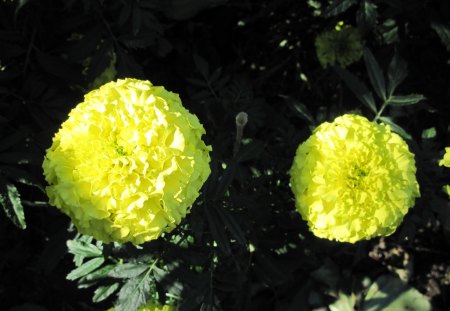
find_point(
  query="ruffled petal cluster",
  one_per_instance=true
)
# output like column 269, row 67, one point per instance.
column 353, row 179
column 151, row 306
column 128, row 163
column 446, row 162
column 341, row 46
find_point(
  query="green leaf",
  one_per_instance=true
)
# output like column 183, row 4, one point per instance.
column 99, row 273
column 135, row 292
column 405, row 100
column 103, row 292
column 367, row 15
column 217, row 231
column 390, row 293
column 232, row 225
column 86, row 268
column 443, row 32
column 338, row 7
column 128, row 270
column 397, row 72
column 395, row 127
column 87, row 250
column 358, row 88
column 344, row 303
column 429, row 133
column 12, row 204
column 375, row 74
column 299, row 109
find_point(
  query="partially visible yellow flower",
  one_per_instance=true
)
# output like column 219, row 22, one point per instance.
column 128, row 163
column 446, row 162
column 353, row 179
column 150, row 306
column 340, row 46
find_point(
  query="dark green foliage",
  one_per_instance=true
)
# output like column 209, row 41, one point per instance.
column 243, row 246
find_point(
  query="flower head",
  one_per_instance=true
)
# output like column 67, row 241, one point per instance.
column 353, row 179
column 446, row 162
column 151, row 306
column 128, row 163
column 341, row 46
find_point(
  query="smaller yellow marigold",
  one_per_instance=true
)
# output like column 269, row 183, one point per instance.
column 353, row 179
column 128, row 163
column 446, row 162
column 340, row 46
column 151, row 306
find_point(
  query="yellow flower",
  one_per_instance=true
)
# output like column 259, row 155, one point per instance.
column 128, row 163
column 150, row 306
column 341, row 46
column 446, row 162
column 353, row 179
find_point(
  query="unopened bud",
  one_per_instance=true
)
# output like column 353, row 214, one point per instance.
column 241, row 119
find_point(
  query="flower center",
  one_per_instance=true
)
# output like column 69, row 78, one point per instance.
column 356, row 176
column 120, row 150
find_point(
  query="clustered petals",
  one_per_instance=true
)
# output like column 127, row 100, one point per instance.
column 151, row 306
column 128, row 163
column 340, row 46
column 445, row 161
column 353, row 179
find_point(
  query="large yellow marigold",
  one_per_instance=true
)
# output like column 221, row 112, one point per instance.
column 446, row 162
column 353, row 179
column 128, row 163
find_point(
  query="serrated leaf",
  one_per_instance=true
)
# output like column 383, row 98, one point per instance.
column 134, row 293
column 367, row 15
column 85, row 268
column 405, row 100
column 103, row 292
column 99, row 273
column 344, row 303
column 397, row 72
column 443, row 32
column 390, row 293
column 83, row 249
column 233, row 227
column 375, row 74
column 128, row 270
column 358, row 88
column 338, row 7
column 11, row 203
column 395, row 127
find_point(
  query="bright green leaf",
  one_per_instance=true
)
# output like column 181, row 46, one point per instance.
column 344, row 303
column 103, row 292
column 429, row 133
column 12, row 204
column 405, row 100
column 128, row 270
column 83, row 249
column 86, row 268
column 390, row 293
column 367, row 15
